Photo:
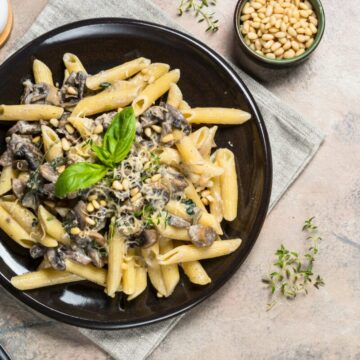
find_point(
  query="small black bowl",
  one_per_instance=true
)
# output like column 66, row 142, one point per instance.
column 262, row 67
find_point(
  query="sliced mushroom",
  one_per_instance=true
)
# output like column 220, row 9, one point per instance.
column 77, row 254
column 177, row 120
column 201, row 235
column 178, row 222
column 6, row 158
column 156, row 194
column 47, row 191
column 81, row 214
column 148, row 238
column 21, row 165
column 72, row 90
column 48, row 173
column 19, row 185
column 22, row 148
column 56, row 259
column 174, row 179
column 30, row 200
column 96, row 258
column 25, row 128
column 37, row 251
column 105, row 119
column 34, row 93
column 96, row 236
column 152, row 116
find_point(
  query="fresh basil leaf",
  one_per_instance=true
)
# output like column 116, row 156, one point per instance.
column 120, row 135
column 103, row 155
column 79, row 176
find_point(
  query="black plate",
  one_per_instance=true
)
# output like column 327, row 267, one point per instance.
column 206, row 80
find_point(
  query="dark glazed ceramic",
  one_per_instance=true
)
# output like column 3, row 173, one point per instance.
column 206, row 80
column 268, row 69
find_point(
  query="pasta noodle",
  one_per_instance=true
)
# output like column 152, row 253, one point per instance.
column 216, row 116
column 42, row 73
column 186, row 253
column 175, row 96
column 154, row 91
column 196, row 273
column 120, row 72
column 120, row 94
column 7, row 174
column 73, row 63
column 31, row 112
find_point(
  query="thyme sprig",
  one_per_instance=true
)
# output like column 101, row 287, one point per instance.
column 200, row 9
column 293, row 273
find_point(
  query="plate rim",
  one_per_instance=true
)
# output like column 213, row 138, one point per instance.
column 260, row 218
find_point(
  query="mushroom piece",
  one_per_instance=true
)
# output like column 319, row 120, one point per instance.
column 156, row 194
column 47, row 191
column 96, row 236
column 21, row 165
column 95, row 256
column 37, row 251
column 25, row 128
column 72, row 90
column 22, row 148
column 19, row 185
column 177, row 120
column 56, row 259
column 178, row 222
column 34, row 93
column 77, row 254
column 30, row 200
column 174, row 179
column 48, row 173
column 105, row 119
column 152, row 116
column 201, row 235
column 6, row 158
column 148, row 238
column 81, row 214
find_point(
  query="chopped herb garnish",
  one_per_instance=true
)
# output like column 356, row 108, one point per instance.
column 105, row 85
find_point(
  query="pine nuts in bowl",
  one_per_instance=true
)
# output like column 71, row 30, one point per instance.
column 276, row 34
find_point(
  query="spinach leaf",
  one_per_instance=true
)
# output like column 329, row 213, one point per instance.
column 79, row 176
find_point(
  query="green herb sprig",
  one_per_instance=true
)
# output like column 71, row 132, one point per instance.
column 117, row 143
column 200, row 10
column 293, row 273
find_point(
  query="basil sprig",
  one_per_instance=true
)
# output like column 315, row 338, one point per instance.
column 117, row 143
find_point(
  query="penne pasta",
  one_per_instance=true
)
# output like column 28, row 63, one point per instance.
column 184, row 106
column 191, row 194
column 7, row 174
column 73, row 63
column 170, row 273
column 41, row 278
column 120, row 94
column 120, row 72
column 115, row 259
column 88, row 272
column 216, row 116
column 196, row 273
column 150, row 255
column 228, row 183
column 186, row 253
column 52, row 226
column 14, row 230
column 204, row 218
column 140, row 282
column 178, row 209
column 150, row 74
column 83, row 125
column 52, row 144
column 175, row 96
column 129, row 274
column 154, row 91
column 216, row 206
column 30, row 112
column 42, row 73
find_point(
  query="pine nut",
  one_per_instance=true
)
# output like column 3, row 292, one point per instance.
column 205, row 201
column 252, row 36
column 269, row 44
column 69, row 129
column 170, row 137
column 136, row 197
column 90, row 221
column 103, row 202
column 309, row 43
column 98, row 129
column 267, row 37
column 289, row 54
column 134, row 191
column 125, row 184
column 96, row 204
column 65, row 144
column 90, row 207
column 301, row 38
column 313, row 28
column 271, row 56
column 279, row 51
column 156, row 177
column 75, row 231
column 61, row 169
column 54, row 122
column 295, row 45
column 156, row 128
column 92, row 197
column 116, row 185
column 36, row 139
column 269, row 10
column 299, row 52
column 287, row 45
column 280, row 35
column 275, row 46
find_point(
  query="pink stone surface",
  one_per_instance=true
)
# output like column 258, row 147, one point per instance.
column 233, row 324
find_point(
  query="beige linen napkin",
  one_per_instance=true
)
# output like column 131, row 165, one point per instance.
column 294, row 142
